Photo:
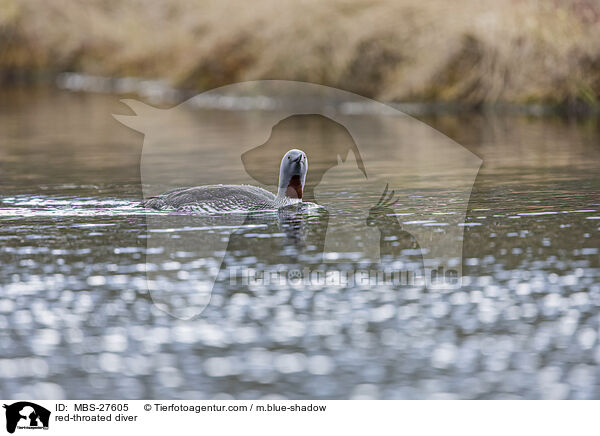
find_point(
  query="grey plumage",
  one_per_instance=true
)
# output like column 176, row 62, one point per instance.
column 212, row 198
column 239, row 198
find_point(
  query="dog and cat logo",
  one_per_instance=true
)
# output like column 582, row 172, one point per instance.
column 26, row 415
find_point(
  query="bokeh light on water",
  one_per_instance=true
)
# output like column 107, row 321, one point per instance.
column 76, row 319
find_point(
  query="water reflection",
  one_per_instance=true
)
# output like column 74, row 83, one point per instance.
column 77, row 321
column 181, row 261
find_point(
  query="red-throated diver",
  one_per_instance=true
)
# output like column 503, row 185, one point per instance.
column 234, row 198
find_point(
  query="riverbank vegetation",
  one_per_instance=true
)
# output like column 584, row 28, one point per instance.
column 467, row 51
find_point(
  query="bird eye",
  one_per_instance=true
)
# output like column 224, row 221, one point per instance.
column 289, row 157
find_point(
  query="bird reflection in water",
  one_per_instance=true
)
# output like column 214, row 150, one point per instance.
column 282, row 236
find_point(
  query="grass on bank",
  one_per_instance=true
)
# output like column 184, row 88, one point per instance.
column 469, row 51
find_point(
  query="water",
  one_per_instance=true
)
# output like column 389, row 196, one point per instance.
column 77, row 319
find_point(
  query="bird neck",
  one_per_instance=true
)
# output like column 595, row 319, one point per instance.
column 292, row 190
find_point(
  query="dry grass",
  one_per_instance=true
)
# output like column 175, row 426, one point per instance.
column 517, row 51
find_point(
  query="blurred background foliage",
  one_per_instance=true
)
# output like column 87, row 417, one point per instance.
column 467, row 51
